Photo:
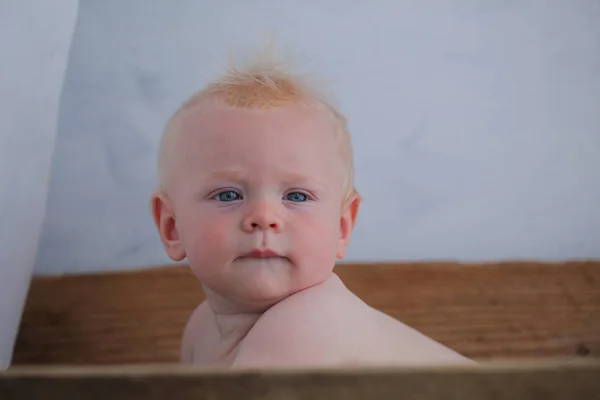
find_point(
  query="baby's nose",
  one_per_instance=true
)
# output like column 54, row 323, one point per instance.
column 262, row 217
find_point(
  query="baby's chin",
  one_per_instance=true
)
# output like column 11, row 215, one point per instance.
column 256, row 288
column 266, row 286
column 256, row 284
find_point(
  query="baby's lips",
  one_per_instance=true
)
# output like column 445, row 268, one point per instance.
column 261, row 253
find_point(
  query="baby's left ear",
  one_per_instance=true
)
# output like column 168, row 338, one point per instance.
column 347, row 222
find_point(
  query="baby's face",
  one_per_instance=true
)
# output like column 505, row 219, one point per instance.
column 257, row 200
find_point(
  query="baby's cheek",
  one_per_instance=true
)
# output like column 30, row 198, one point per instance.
column 214, row 236
column 209, row 242
column 317, row 243
column 325, row 228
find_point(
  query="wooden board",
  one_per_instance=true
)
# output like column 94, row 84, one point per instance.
column 544, row 382
column 492, row 311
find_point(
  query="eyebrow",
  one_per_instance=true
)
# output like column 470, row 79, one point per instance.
column 225, row 174
column 238, row 175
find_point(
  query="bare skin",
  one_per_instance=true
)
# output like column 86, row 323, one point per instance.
column 322, row 326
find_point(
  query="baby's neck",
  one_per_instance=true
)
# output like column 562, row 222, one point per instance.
column 232, row 322
column 233, row 328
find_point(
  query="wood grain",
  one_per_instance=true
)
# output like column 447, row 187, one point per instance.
column 491, row 311
column 543, row 382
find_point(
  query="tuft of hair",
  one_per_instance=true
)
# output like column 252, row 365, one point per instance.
column 266, row 82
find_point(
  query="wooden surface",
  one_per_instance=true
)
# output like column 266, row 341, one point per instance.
column 544, row 382
column 510, row 310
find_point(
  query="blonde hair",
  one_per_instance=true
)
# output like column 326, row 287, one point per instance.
column 266, row 83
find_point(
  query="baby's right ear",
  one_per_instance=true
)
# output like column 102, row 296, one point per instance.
column 164, row 218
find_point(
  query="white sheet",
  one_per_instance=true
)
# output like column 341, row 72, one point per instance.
column 35, row 37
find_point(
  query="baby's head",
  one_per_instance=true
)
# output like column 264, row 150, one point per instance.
column 256, row 187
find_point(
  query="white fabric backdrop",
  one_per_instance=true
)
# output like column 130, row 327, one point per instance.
column 35, row 37
column 475, row 123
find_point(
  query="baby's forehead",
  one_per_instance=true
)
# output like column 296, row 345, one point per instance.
column 210, row 134
column 223, row 123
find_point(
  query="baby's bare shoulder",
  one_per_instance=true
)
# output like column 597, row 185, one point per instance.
column 327, row 304
column 329, row 325
column 309, row 327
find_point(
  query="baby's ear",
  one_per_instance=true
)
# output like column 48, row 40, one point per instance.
column 347, row 222
column 164, row 218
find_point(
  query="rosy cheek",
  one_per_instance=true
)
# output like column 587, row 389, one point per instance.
column 316, row 237
column 209, row 244
column 214, row 233
column 205, row 232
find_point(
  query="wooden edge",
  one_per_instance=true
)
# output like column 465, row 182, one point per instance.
column 172, row 369
column 161, row 268
column 532, row 380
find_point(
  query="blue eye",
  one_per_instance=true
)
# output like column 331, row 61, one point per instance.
column 296, row 197
column 228, row 195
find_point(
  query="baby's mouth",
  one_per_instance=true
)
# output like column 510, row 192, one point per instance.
column 261, row 253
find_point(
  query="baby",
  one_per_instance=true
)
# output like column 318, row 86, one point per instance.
column 256, row 191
